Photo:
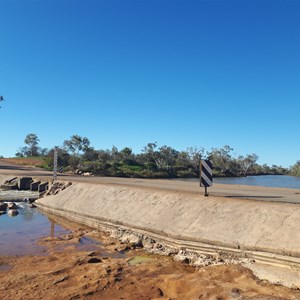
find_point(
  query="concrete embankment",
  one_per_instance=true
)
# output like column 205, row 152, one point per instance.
column 269, row 231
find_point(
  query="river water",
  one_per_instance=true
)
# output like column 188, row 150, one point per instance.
column 281, row 181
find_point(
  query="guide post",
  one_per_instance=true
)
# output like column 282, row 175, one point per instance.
column 205, row 175
column 55, row 163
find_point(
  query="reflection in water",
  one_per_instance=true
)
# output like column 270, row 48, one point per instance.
column 52, row 230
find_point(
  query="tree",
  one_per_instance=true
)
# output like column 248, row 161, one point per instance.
column 104, row 156
column 77, row 144
column 221, row 159
column 295, row 169
column 164, row 157
column 167, row 158
column 247, row 162
column 195, row 155
column 126, row 153
column 62, row 158
column 32, row 140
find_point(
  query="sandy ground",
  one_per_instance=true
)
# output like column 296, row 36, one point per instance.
column 65, row 271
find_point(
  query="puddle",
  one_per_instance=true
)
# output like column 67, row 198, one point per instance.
column 139, row 260
column 19, row 234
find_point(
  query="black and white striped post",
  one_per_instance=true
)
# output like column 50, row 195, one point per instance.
column 206, row 174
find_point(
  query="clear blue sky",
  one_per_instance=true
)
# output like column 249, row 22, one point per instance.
column 125, row 73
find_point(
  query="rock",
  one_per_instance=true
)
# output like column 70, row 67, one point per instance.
column 94, row 253
column 181, row 256
column 94, row 260
column 12, row 205
column 235, row 292
column 60, row 280
column 13, row 212
column 3, row 206
column 56, row 187
column 87, row 174
column 68, row 184
column 133, row 239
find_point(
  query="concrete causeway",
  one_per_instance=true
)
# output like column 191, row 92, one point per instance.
column 267, row 232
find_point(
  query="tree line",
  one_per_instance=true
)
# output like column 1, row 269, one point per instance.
column 77, row 155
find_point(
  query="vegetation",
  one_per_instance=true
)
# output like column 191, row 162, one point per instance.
column 32, row 149
column 295, row 169
column 76, row 155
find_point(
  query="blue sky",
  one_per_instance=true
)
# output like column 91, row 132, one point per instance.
column 125, row 73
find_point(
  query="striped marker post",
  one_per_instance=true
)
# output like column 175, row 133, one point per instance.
column 206, row 174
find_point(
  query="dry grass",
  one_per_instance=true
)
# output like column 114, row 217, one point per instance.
column 25, row 161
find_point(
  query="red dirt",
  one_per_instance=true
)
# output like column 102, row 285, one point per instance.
column 66, row 272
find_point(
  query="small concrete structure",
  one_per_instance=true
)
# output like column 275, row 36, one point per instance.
column 34, row 186
column 43, row 187
column 24, row 183
column 8, row 187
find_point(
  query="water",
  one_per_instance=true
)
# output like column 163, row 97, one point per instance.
column 137, row 260
column 19, row 234
column 281, row 181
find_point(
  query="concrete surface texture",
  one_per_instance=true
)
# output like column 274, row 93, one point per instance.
column 234, row 223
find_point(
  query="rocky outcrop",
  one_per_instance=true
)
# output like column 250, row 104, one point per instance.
column 57, row 187
column 136, row 240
